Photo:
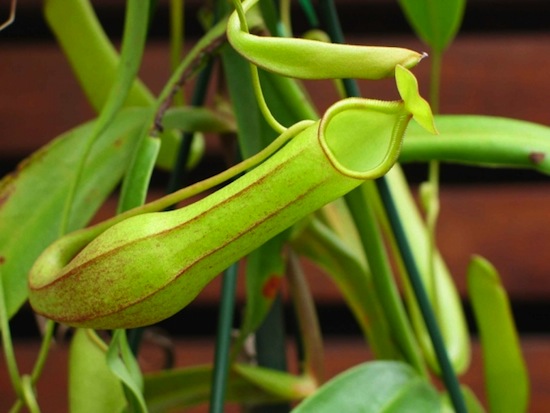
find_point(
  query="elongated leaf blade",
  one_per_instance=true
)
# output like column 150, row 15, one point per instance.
column 506, row 377
column 285, row 385
column 91, row 55
column 32, row 197
column 138, row 175
column 487, row 141
column 92, row 386
column 436, row 22
column 185, row 387
column 375, row 387
column 122, row 363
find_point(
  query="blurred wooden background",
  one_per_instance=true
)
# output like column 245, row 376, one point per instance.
column 498, row 65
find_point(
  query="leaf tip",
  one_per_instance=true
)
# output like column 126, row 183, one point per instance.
column 414, row 103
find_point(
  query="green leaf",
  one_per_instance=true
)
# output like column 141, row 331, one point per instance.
column 92, row 386
column 138, row 175
column 436, row 22
column 285, row 385
column 123, row 365
column 506, row 377
column 414, row 103
column 184, row 387
column 94, row 61
column 375, row 387
column 92, row 56
column 32, row 197
column 481, row 141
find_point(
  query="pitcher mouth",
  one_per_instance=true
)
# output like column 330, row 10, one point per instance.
column 362, row 137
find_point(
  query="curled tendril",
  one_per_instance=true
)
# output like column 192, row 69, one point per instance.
column 11, row 17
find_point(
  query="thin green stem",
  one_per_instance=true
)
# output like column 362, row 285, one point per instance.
column 241, row 14
column 28, row 394
column 7, row 343
column 199, row 96
column 11, row 17
column 44, row 350
column 176, row 41
column 449, row 376
column 256, row 84
column 223, row 341
column 262, row 103
column 310, row 331
column 384, row 284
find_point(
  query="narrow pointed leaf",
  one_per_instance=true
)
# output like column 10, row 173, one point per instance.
column 435, row 22
column 92, row 56
column 138, row 174
column 506, row 377
column 94, row 61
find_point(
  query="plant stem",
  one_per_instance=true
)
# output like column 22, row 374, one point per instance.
column 176, row 41
column 310, row 330
column 7, row 343
column 373, row 245
column 199, row 96
column 28, row 394
column 223, row 341
column 449, row 377
column 44, row 350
